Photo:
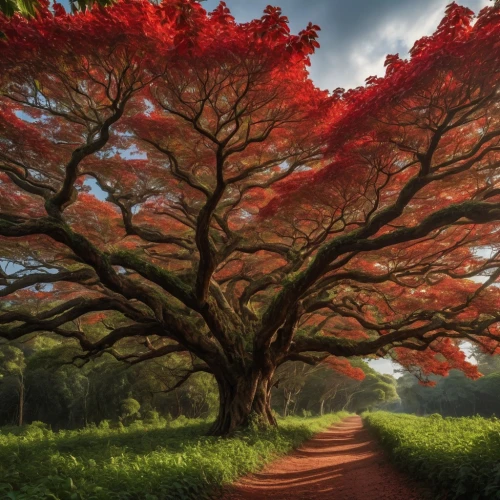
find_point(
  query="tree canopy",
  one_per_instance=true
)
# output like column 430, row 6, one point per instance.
column 30, row 8
column 176, row 178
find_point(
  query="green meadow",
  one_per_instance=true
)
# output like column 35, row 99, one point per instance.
column 155, row 461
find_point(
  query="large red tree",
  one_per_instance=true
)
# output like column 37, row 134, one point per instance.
column 176, row 176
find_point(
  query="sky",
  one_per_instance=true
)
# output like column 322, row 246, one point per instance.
column 355, row 37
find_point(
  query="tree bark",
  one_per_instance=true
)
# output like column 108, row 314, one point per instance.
column 244, row 401
column 85, row 409
column 21, row 401
column 288, row 399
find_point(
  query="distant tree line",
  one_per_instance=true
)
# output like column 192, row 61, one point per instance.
column 454, row 395
column 41, row 381
column 302, row 389
column 38, row 382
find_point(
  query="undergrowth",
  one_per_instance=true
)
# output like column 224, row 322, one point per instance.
column 459, row 457
column 149, row 462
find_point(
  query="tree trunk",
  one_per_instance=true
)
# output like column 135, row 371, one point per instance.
column 85, row 409
column 21, row 401
column 243, row 402
column 288, row 399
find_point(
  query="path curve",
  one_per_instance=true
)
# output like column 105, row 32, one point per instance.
column 343, row 463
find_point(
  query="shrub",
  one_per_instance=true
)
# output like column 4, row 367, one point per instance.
column 459, row 457
column 151, row 417
column 129, row 410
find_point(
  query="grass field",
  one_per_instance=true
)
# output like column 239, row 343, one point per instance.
column 141, row 461
column 459, row 457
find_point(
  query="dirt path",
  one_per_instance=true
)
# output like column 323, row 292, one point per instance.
column 343, row 463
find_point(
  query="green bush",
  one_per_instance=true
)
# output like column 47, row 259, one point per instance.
column 129, row 410
column 104, row 424
column 142, row 461
column 436, row 416
column 151, row 417
column 35, row 430
column 459, row 457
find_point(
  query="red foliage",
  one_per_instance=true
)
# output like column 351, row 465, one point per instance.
column 445, row 355
column 344, row 367
column 162, row 139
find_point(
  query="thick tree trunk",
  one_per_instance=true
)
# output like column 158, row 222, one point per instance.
column 243, row 402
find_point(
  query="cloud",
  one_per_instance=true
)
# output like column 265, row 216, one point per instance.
column 356, row 35
column 362, row 50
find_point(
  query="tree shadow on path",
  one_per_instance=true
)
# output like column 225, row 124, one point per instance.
column 344, row 463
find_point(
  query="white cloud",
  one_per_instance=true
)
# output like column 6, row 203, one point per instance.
column 356, row 36
column 395, row 33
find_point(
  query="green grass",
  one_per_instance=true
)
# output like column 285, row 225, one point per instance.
column 176, row 461
column 459, row 457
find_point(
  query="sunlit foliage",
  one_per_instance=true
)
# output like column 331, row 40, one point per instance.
column 141, row 461
column 460, row 457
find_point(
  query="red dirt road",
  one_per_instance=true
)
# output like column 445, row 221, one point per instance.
column 343, row 463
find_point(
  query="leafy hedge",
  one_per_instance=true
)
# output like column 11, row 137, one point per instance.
column 459, row 457
column 148, row 462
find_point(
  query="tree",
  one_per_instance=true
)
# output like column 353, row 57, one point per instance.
column 290, row 381
column 455, row 395
column 374, row 390
column 30, row 8
column 12, row 366
column 24, row 7
column 300, row 388
column 250, row 219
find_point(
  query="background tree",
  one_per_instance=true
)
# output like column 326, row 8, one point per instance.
column 27, row 8
column 455, row 395
column 299, row 388
column 291, row 380
column 66, row 396
column 12, row 367
column 375, row 390
column 250, row 219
